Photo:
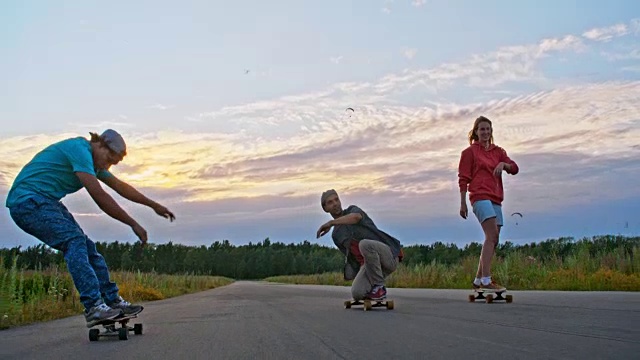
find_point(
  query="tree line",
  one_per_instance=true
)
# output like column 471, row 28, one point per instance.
column 266, row 258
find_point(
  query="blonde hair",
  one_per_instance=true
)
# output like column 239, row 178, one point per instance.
column 472, row 134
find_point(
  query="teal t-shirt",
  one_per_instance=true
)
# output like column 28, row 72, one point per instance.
column 51, row 173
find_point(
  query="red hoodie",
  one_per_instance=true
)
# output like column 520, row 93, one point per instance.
column 475, row 172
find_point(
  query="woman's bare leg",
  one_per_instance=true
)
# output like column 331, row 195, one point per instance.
column 491, row 234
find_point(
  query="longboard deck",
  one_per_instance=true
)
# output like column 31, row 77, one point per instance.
column 479, row 294
column 369, row 304
column 110, row 328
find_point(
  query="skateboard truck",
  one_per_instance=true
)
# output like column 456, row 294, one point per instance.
column 369, row 304
column 112, row 330
column 489, row 298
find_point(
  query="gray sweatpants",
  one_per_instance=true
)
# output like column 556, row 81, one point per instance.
column 379, row 263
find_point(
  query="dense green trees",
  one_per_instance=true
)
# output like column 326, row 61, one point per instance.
column 266, row 258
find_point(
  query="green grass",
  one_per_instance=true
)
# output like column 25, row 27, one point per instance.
column 28, row 296
column 617, row 270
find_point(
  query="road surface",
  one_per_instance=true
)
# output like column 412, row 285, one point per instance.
column 259, row 320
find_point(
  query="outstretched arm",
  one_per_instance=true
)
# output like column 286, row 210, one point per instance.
column 348, row 219
column 129, row 192
column 108, row 205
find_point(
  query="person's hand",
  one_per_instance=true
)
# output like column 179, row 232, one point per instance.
column 498, row 170
column 464, row 212
column 164, row 212
column 140, row 232
column 324, row 229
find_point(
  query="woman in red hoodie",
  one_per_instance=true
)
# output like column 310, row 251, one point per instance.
column 480, row 172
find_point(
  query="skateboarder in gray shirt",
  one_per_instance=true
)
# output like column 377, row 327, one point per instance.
column 371, row 254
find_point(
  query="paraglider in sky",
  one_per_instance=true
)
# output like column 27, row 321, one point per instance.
column 349, row 111
column 517, row 213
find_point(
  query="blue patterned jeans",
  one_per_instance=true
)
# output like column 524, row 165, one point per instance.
column 51, row 222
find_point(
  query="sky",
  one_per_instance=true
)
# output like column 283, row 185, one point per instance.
column 235, row 118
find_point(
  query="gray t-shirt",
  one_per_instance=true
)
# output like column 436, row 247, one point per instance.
column 365, row 229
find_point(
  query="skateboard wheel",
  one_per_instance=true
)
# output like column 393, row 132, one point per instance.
column 123, row 334
column 137, row 329
column 390, row 305
column 367, row 305
column 472, row 298
column 347, row 304
column 489, row 298
column 509, row 298
column 94, row 334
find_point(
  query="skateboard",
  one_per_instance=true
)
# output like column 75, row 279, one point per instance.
column 121, row 332
column 369, row 304
column 489, row 298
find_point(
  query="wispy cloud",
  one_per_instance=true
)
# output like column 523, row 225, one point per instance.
column 418, row 3
column 101, row 125
column 606, row 33
column 89, row 215
column 631, row 54
column 631, row 69
column 386, row 7
column 409, row 53
column 336, row 60
column 428, row 140
column 161, row 107
column 273, row 157
column 512, row 63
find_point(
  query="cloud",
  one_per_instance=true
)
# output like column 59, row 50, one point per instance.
column 272, row 158
column 418, row 3
column 606, row 33
column 631, row 68
column 108, row 124
column 632, row 54
column 100, row 214
column 488, row 71
column 336, row 60
column 363, row 154
column 409, row 53
column 161, row 107
column 507, row 64
column 386, row 7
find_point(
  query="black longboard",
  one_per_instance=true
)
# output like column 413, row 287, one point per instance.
column 479, row 294
column 369, row 304
column 111, row 329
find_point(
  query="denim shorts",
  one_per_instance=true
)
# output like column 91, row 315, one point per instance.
column 485, row 209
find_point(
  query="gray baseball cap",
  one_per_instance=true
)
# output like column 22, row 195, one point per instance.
column 325, row 195
column 114, row 141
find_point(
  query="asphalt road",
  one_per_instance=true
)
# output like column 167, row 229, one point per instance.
column 257, row 320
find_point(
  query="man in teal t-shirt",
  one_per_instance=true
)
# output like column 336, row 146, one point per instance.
column 34, row 204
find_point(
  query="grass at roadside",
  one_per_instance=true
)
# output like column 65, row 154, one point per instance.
column 616, row 271
column 42, row 295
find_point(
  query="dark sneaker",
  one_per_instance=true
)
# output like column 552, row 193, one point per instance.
column 127, row 308
column 100, row 313
column 494, row 287
column 379, row 292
